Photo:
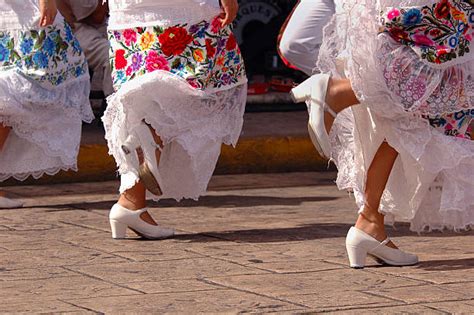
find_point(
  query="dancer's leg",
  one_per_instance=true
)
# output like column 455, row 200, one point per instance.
column 4, row 132
column 339, row 97
column 135, row 197
column 370, row 220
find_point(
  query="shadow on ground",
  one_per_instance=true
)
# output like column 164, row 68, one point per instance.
column 227, row 201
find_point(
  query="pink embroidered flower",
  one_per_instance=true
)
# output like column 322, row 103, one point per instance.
column 156, row 62
column 129, row 71
column 422, row 40
column 392, row 14
column 130, row 36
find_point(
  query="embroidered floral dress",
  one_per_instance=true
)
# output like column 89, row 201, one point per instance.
column 44, row 90
column 178, row 69
column 411, row 64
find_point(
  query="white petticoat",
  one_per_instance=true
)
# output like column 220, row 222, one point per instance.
column 46, row 125
column 193, row 124
column 432, row 182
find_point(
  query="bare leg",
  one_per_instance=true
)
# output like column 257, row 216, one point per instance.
column 339, row 97
column 370, row 220
column 4, row 132
column 135, row 197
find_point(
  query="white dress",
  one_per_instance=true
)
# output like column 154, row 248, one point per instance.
column 176, row 68
column 410, row 67
column 44, row 90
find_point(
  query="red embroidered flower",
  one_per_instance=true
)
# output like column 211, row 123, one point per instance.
column 216, row 24
column 130, row 36
column 129, row 71
column 156, row 62
column 398, row 34
column 442, row 9
column 435, row 32
column 231, row 43
column 211, row 50
column 120, row 61
column 174, row 40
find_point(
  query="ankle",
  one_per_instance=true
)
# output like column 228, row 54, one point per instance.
column 374, row 228
column 130, row 205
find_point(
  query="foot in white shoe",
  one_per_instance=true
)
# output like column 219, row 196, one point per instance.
column 359, row 245
column 7, row 203
column 313, row 91
column 121, row 218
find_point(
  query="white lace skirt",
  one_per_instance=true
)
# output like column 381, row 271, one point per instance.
column 192, row 124
column 44, row 98
column 402, row 97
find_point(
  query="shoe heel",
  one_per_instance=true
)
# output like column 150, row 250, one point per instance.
column 299, row 94
column 119, row 230
column 356, row 256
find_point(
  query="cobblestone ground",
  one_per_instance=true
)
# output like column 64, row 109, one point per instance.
column 256, row 243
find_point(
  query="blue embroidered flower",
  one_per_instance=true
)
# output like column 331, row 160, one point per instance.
column 4, row 53
column 4, row 38
column 76, row 47
column 79, row 71
column 68, row 31
column 49, row 46
column 120, row 77
column 40, row 60
column 453, row 41
column 26, row 45
column 412, row 17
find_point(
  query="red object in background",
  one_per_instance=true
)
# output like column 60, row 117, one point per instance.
column 257, row 88
column 280, row 35
column 281, row 84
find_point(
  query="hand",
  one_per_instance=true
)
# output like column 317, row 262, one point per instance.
column 48, row 12
column 229, row 11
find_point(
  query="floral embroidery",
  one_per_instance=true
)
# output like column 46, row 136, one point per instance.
column 51, row 55
column 457, row 124
column 205, row 54
column 439, row 33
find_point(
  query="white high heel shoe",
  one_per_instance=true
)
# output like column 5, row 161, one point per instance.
column 121, row 218
column 314, row 90
column 7, row 203
column 141, row 137
column 360, row 244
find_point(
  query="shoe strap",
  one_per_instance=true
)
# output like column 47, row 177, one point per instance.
column 328, row 109
column 385, row 242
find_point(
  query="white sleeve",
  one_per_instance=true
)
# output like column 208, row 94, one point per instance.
column 212, row 3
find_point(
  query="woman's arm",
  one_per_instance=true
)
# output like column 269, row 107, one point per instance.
column 48, row 12
column 99, row 15
column 229, row 11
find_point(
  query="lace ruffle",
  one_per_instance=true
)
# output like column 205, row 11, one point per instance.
column 193, row 125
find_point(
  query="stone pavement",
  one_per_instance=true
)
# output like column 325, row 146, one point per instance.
column 255, row 243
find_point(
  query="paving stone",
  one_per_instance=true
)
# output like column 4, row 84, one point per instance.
column 330, row 281
column 255, row 243
column 324, row 301
column 458, row 307
column 55, row 256
column 40, row 306
column 420, row 294
column 173, row 286
column 165, row 270
column 404, row 309
column 21, row 291
column 221, row 301
column 43, row 273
